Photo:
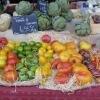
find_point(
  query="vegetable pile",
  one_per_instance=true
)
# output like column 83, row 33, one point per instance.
column 24, row 61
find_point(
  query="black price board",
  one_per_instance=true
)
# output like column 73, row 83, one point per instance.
column 24, row 24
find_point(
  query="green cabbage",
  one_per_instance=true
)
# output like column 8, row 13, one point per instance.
column 44, row 22
column 64, row 4
column 83, row 28
column 54, row 9
column 68, row 15
column 24, row 8
column 58, row 23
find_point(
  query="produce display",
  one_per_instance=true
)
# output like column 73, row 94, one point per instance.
column 57, row 18
column 25, row 61
column 49, row 60
column 48, row 21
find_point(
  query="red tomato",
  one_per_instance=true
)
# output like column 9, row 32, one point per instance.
column 0, row 47
column 13, row 61
column 10, row 76
column 46, row 38
column 61, row 78
column 64, row 68
column 3, row 40
column 55, row 63
column 11, row 55
column 9, row 67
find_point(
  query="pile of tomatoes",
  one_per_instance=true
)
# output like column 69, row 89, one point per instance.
column 8, row 60
column 22, row 61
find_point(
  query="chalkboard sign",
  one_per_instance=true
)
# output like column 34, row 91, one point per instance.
column 24, row 24
column 42, row 6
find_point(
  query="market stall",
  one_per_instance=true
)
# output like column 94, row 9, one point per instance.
column 50, row 49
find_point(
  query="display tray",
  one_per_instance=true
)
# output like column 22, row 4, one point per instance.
column 61, row 36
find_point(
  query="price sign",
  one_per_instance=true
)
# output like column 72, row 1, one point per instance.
column 42, row 6
column 24, row 24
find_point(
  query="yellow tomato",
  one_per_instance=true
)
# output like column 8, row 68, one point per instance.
column 71, row 45
column 45, row 45
column 2, row 63
column 46, row 71
column 3, row 57
column 50, row 51
column 11, row 44
column 3, row 53
column 79, row 67
column 42, row 51
column 58, row 47
column 71, row 51
column 85, row 45
column 49, row 47
column 7, row 49
column 42, row 60
column 64, row 56
column 48, row 55
column 47, row 65
column 84, row 77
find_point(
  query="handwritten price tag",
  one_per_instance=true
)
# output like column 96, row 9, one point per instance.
column 24, row 24
column 42, row 6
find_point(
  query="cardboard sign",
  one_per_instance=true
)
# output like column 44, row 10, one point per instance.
column 42, row 6
column 24, row 24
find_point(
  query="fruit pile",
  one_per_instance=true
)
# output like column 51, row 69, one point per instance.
column 23, row 61
column 8, row 60
column 28, row 54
